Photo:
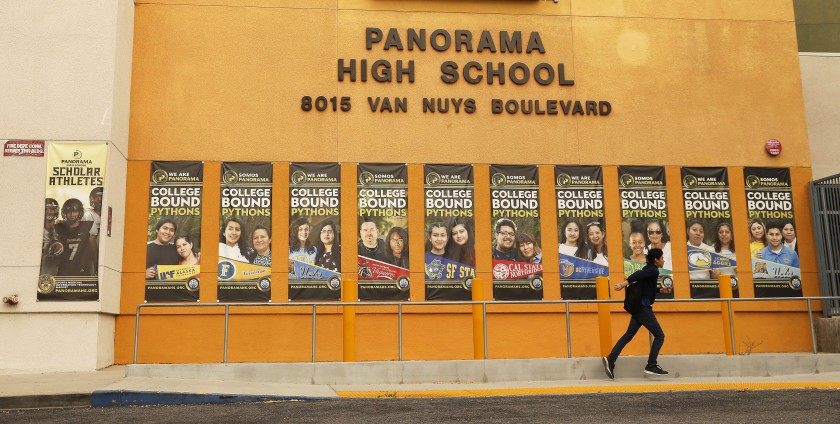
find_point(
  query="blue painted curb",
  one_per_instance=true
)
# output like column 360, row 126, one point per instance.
column 101, row 398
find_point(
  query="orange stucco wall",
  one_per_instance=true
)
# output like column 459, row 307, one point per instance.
column 444, row 332
column 690, row 85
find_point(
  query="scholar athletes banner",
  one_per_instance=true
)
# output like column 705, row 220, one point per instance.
column 772, row 230
column 450, row 232
column 383, row 232
column 70, row 247
column 314, row 231
column 708, row 217
column 644, row 219
column 174, row 232
column 515, row 209
column 579, row 192
column 244, row 267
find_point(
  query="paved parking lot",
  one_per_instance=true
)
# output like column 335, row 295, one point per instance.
column 766, row 407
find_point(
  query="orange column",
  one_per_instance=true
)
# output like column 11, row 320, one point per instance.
column 349, row 293
column 279, row 228
column 602, row 288
column 478, row 319
column 725, row 284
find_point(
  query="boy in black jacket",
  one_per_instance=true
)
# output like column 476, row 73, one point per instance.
column 647, row 278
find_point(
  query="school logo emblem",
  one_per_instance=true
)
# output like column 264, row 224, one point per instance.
column 753, row 181
column 434, row 270
column 667, row 281
column 366, row 178
column 700, row 259
column 567, row 268
column 536, row 284
column 564, row 180
column 365, row 272
column 264, row 284
column 192, row 284
column 334, row 283
column 467, row 285
column 626, row 180
column 160, row 177
column 690, row 181
column 795, row 283
column 760, row 268
column 46, row 284
column 433, row 179
column 498, row 180
column 501, row 272
column 226, row 270
column 298, row 177
column 77, row 154
column 628, row 267
column 402, row 283
column 230, row 178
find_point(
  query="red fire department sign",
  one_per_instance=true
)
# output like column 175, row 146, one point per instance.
column 24, row 148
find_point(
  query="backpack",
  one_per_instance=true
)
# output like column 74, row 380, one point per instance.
column 633, row 298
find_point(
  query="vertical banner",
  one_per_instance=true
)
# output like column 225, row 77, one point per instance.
column 383, row 212
column 244, row 267
column 775, row 261
column 174, row 232
column 517, row 255
column 450, row 232
column 314, row 231
column 644, row 219
column 579, row 192
column 70, row 247
column 708, row 218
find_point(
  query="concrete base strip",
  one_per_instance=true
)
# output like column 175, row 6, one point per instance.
column 45, row 401
column 640, row 388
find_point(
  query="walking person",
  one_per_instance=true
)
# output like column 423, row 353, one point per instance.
column 638, row 302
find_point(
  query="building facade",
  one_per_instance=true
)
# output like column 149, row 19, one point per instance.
column 510, row 88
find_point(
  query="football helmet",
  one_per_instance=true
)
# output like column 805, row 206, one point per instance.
column 50, row 209
column 96, row 198
column 72, row 205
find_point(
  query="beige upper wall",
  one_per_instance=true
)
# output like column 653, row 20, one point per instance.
column 820, row 74
column 66, row 77
column 691, row 81
column 58, row 69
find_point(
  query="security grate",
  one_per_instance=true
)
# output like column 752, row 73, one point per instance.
column 825, row 207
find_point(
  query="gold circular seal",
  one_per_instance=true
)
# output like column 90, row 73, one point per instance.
column 46, row 284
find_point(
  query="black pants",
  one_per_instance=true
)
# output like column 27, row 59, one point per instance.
column 646, row 318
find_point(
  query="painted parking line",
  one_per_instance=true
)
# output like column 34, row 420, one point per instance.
column 638, row 388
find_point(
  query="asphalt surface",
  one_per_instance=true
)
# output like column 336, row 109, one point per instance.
column 766, row 407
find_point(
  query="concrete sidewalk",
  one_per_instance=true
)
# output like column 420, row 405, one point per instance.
column 229, row 383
